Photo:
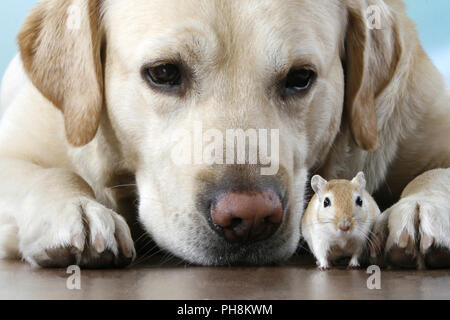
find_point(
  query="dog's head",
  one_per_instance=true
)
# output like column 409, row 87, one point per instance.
column 221, row 108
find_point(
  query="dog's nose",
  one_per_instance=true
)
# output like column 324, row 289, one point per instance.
column 247, row 216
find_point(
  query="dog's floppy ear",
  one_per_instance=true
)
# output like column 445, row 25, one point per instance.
column 372, row 51
column 60, row 46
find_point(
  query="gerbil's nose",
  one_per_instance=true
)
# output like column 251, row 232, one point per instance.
column 247, row 216
column 344, row 225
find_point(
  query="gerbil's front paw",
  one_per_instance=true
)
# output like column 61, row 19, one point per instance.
column 323, row 266
column 418, row 232
column 354, row 265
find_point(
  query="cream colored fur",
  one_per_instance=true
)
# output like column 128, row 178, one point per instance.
column 237, row 50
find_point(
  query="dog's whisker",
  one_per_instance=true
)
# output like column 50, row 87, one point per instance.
column 142, row 236
column 123, row 186
column 146, row 255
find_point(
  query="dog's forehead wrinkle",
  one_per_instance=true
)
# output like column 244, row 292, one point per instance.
column 230, row 34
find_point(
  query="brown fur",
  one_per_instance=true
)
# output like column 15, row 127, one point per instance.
column 342, row 191
column 50, row 52
column 365, row 78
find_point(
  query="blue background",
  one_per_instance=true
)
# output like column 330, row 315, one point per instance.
column 431, row 16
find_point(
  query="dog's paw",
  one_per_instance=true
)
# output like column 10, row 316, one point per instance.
column 416, row 231
column 79, row 231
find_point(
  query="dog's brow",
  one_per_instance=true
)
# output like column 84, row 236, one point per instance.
column 189, row 42
column 282, row 63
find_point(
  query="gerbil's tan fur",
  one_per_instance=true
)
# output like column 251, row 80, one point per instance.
column 322, row 227
column 343, row 203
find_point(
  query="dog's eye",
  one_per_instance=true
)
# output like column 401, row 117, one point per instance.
column 298, row 81
column 359, row 202
column 326, row 203
column 165, row 75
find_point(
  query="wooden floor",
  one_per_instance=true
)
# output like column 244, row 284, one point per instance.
column 298, row 279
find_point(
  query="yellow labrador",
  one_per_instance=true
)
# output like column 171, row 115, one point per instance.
column 108, row 90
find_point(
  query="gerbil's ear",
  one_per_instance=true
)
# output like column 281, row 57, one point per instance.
column 60, row 46
column 372, row 51
column 318, row 184
column 360, row 180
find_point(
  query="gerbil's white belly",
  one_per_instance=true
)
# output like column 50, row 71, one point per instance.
column 342, row 248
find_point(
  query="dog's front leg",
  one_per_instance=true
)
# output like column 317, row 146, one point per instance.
column 416, row 230
column 53, row 220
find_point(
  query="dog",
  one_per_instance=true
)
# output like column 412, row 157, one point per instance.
column 101, row 90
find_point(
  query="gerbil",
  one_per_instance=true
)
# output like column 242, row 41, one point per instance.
column 339, row 219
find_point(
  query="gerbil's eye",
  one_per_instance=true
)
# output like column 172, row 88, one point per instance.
column 326, row 202
column 359, row 201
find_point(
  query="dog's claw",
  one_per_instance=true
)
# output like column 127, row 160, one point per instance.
column 425, row 243
column 100, row 244
column 78, row 242
column 404, row 239
column 126, row 250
